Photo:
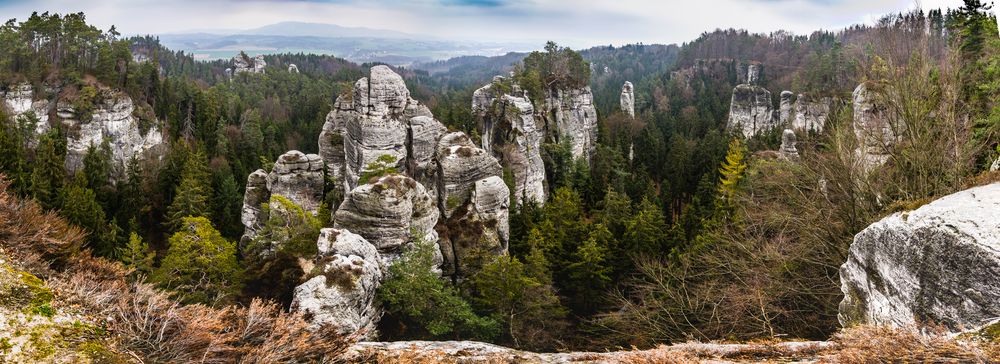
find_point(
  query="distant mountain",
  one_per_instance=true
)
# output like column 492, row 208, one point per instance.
column 301, row 29
column 358, row 45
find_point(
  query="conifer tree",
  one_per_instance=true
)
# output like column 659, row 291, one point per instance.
column 200, row 265
column 194, row 193
column 731, row 170
column 137, row 255
column 12, row 155
column 589, row 274
column 49, row 171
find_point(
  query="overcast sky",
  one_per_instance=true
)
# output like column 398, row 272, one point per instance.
column 578, row 23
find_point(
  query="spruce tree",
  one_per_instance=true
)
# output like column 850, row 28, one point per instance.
column 194, row 193
column 49, row 171
column 200, row 265
column 731, row 170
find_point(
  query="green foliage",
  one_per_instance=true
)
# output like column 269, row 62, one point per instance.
column 80, row 207
column 522, row 299
column 414, row 294
column 137, row 255
column 49, row 172
column 590, row 272
column 384, row 165
column 85, row 102
column 200, row 265
column 731, row 170
column 556, row 68
column 194, row 193
column 272, row 257
column 13, row 154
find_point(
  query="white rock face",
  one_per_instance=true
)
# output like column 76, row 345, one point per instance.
column 575, row 118
column 20, row 101
column 786, row 109
column 295, row 176
column 243, row 63
column 876, row 134
column 810, row 114
column 460, row 165
column 753, row 74
column 425, row 132
column 111, row 121
column 511, row 132
column 342, row 291
column 388, row 212
column 938, row 264
column 628, row 99
column 996, row 165
column 750, row 110
column 292, row 68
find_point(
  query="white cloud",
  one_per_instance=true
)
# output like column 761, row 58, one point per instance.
column 574, row 22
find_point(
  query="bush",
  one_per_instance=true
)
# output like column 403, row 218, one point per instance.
column 415, row 295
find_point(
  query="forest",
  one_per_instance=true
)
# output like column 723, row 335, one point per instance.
column 677, row 229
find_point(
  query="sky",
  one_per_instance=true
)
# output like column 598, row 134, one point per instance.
column 577, row 23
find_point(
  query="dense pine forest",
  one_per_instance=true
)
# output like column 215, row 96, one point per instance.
column 676, row 229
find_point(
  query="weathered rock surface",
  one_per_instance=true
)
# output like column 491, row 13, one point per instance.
column 243, row 63
column 750, row 110
column 341, row 294
column 876, row 134
column 292, row 68
column 753, row 74
column 788, row 141
column 575, row 118
column 113, row 121
column 511, row 132
column 628, row 99
column 811, row 114
column 996, row 165
column 425, row 132
column 388, row 212
column 20, row 101
column 786, row 109
column 479, row 352
column 295, row 176
column 936, row 265
column 474, row 202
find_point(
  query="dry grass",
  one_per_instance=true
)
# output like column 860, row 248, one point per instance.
column 870, row 344
column 143, row 320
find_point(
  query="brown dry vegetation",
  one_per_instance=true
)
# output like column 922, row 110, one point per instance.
column 143, row 321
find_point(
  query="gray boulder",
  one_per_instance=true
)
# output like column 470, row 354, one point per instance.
column 575, row 118
column 788, row 150
column 460, row 164
column 112, row 120
column 936, row 265
column 786, row 109
column 341, row 291
column 875, row 132
column 292, row 68
column 295, row 176
column 243, row 63
column 811, row 114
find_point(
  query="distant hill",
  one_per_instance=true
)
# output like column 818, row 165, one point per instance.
column 301, row 29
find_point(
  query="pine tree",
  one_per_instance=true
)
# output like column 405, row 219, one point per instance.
column 80, row 207
column 194, row 193
column 97, row 169
column 49, row 172
column 227, row 202
column 12, row 163
column 589, row 274
column 645, row 232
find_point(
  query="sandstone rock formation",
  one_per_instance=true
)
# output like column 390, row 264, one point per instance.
column 20, row 101
column 474, row 203
column 292, row 68
column 575, row 118
column 876, row 134
column 372, row 121
column 243, row 63
column 936, row 265
column 511, row 132
column 628, row 100
column 810, row 114
column 341, row 293
column 750, row 110
column 295, row 176
column 788, row 141
column 996, row 165
column 388, row 212
column 786, row 109
column 753, row 74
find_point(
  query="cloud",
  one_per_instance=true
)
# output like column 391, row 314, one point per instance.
column 572, row 22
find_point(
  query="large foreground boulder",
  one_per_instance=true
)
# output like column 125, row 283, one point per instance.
column 936, row 265
column 345, row 278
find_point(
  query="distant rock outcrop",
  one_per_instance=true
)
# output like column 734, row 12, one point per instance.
column 750, row 110
column 628, row 99
column 295, row 176
column 292, row 68
column 574, row 117
column 242, row 63
column 511, row 132
column 875, row 133
column 810, row 114
column 936, row 265
column 112, row 120
column 341, row 293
